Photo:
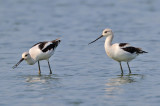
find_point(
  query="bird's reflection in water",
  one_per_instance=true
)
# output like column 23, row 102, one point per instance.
column 35, row 79
column 41, row 83
column 114, row 85
column 40, row 78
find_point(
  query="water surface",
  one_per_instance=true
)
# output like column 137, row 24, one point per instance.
column 83, row 74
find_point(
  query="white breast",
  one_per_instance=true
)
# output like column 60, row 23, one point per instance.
column 118, row 54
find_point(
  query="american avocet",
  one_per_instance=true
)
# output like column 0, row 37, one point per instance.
column 40, row 51
column 119, row 51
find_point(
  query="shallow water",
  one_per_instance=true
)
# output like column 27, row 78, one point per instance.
column 83, row 74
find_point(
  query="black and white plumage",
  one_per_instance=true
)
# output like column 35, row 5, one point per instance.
column 119, row 51
column 40, row 51
column 128, row 48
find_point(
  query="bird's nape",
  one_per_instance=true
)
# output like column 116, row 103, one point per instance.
column 96, row 39
column 18, row 63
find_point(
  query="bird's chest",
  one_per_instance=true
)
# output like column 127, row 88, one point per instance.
column 109, row 53
column 112, row 53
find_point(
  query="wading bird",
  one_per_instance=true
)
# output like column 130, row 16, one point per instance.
column 119, row 51
column 40, row 51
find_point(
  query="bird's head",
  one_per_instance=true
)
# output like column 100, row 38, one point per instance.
column 25, row 56
column 106, row 32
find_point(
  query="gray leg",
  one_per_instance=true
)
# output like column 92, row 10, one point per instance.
column 39, row 68
column 129, row 68
column 49, row 67
column 121, row 68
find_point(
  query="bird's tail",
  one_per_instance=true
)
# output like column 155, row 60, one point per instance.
column 56, row 41
column 140, row 51
column 144, row 52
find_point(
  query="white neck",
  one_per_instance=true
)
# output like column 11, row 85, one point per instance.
column 108, row 45
column 30, row 61
column 108, row 42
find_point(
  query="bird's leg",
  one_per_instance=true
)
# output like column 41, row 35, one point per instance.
column 39, row 68
column 49, row 67
column 121, row 68
column 129, row 68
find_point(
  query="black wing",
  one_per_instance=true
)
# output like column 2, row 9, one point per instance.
column 53, row 45
column 41, row 44
column 123, row 44
column 134, row 50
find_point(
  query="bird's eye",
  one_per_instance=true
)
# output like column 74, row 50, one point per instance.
column 26, row 55
column 105, row 31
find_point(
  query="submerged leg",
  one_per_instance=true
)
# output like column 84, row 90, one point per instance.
column 49, row 67
column 39, row 68
column 129, row 68
column 121, row 68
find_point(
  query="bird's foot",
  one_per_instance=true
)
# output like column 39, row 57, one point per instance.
column 39, row 72
column 50, row 72
column 121, row 74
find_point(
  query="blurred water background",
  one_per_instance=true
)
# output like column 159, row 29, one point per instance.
column 83, row 75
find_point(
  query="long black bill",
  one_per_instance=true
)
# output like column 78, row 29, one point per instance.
column 96, row 39
column 18, row 63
